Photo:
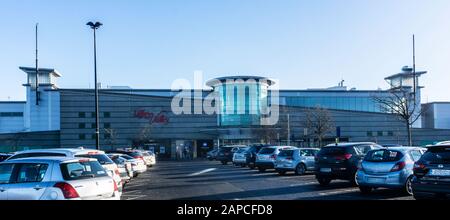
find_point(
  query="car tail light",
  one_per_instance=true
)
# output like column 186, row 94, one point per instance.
column 419, row 166
column 68, row 191
column 344, row 157
column 360, row 167
column 115, row 186
column 399, row 166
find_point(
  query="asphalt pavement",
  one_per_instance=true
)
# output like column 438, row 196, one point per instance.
column 209, row 180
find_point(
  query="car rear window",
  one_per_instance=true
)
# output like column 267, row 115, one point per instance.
column 383, row 156
column 40, row 154
column 267, row 150
column 226, row 149
column 126, row 157
column 82, row 170
column 135, row 154
column 286, row 153
column 102, row 158
column 330, row 151
column 437, row 155
column 146, row 154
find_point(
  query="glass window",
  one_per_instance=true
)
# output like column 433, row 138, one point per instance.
column 82, row 136
column 107, row 125
column 43, row 154
column 369, row 134
column 383, row 156
column 107, row 114
column 31, row 173
column 81, row 125
column 5, row 173
column 416, row 155
column 380, row 133
column 267, row 150
column 81, row 114
column 82, row 170
column 362, row 149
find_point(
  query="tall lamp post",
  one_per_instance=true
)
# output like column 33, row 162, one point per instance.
column 94, row 27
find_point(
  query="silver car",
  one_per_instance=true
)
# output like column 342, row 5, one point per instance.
column 388, row 168
column 267, row 156
column 240, row 157
column 56, row 178
column 297, row 160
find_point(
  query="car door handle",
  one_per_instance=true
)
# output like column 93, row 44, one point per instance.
column 2, row 190
column 38, row 188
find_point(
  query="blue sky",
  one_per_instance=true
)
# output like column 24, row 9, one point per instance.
column 303, row 43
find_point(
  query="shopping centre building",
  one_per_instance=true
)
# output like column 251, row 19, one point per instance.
column 57, row 117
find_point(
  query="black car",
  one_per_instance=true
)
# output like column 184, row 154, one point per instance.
column 225, row 154
column 432, row 173
column 341, row 161
column 251, row 154
column 3, row 157
column 212, row 155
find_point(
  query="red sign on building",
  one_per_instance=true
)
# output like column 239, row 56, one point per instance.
column 159, row 118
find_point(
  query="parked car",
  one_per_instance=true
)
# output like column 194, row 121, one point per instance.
column 251, row 154
column 225, row 153
column 149, row 158
column 267, row 157
column 388, row 168
column 341, row 161
column 239, row 157
column 3, row 157
column 297, row 160
column 444, row 143
column 212, row 155
column 125, row 167
column 137, row 166
column 432, row 173
column 132, row 153
column 57, row 178
column 104, row 160
column 391, row 145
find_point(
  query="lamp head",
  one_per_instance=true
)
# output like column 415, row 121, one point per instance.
column 95, row 25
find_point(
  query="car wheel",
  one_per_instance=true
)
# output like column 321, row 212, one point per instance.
column 408, row 186
column 252, row 167
column 282, row 173
column 365, row 190
column 243, row 165
column 262, row 170
column 224, row 162
column 300, row 169
column 323, row 181
column 354, row 180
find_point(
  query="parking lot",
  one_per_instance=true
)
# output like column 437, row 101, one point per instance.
column 209, row 180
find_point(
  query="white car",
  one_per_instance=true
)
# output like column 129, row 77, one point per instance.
column 149, row 158
column 102, row 158
column 137, row 165
column 56, row 178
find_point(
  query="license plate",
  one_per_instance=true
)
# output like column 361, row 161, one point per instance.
column 325, row 170
column 439, row 172
column 376, row 180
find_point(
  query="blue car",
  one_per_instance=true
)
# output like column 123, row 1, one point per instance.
column 388, row 168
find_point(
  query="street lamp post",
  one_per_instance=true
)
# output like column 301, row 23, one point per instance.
column 94, row 27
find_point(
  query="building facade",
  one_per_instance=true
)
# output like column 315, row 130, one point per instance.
column 146, row 118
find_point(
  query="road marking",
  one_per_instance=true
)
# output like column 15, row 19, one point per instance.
column 203, row 172
column 338, row 192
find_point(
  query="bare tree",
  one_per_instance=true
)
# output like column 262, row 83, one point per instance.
column 401, row 103
column 112, row 137
column 319, row 123
column 266, row 134
column 144, row 135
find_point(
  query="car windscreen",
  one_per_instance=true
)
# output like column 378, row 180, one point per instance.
column 135, row 154
column 330, row 151
column 383, row 156
column 267, row 150
column 102, row 158
column 437, row 155
column 242, row 150
column 82, row 170
column 286, row 153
